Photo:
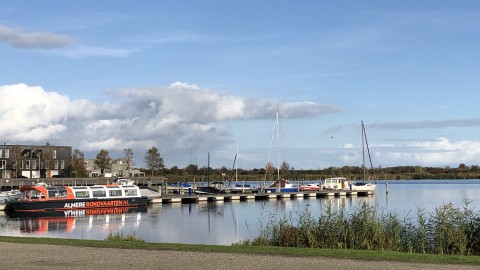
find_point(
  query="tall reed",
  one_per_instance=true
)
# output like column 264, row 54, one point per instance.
column 446, row 230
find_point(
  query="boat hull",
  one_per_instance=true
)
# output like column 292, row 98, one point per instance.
column 273, row 190
column 74, row 204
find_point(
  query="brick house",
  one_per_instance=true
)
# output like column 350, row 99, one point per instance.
column 34, row 161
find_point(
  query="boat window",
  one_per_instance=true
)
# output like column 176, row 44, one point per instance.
column 57, row 192
column 99, row 193
column 33, row 194
column 81, row 194
column 115, row 193
column 130, row 192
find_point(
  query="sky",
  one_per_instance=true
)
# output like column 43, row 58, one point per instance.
column 199, row 77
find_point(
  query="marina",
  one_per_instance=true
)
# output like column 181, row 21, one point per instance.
column 255, row 196
column 184, row 197
column 223, row 222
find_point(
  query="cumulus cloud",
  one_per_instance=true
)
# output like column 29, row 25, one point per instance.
column 438, row 152
column 19, row 38
column 175, row 118
column 180, row 117
column 29, row 113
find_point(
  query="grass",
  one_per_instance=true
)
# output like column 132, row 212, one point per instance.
column 448, row 230
column 366, row 255
column 123, row 237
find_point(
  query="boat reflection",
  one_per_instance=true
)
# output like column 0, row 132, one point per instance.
column 43, row 225
column 66, row 221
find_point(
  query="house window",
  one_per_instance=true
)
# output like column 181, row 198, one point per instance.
column 62, row 164
column 1, row 153
column 27, row 164
column 3, row 164
column 54, row 153
column 7, row 153
column 21, row 164
column 56, row 164
column 34, row 164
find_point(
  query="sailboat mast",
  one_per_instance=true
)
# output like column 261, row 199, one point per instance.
column 278, row 150
column 363, row 151
column 365, row 143
column 236, row 166
column 208, row 168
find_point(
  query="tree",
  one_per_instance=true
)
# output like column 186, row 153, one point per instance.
column 284, row 168
column 191, row 169
column 153, row 160
column 270, row 169
column 78, row 163
column 103, row 160
column 128, row 158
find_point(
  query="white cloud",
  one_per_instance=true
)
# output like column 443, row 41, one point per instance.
column 176, row 118
column 18, row 38
column 183, row 117
column 29, row 113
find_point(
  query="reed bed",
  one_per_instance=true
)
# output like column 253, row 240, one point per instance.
column 446, row 230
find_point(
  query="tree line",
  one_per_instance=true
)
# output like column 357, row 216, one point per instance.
column 154, row 166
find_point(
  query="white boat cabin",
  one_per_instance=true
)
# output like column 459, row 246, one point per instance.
column 105, row 191
column 335, row 183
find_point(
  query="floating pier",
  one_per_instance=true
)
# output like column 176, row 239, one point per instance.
column 185, row 199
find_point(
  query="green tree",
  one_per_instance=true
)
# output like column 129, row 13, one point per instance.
column 153, row 160
column 78, row 163
column 103, row 160
column 192, row 169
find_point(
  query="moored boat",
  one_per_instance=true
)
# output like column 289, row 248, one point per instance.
column 243, row 188
column 310, row 187
column 284, row 185
column 362, row 186
column 335, row 183
column 10, row 195
column 63, row 198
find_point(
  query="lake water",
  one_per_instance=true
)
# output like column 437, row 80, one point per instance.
column 224, row 223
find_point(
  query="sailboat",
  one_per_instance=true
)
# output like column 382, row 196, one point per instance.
column 364, row 185
column 280, row 185
column 240, row 187
column 215, row 187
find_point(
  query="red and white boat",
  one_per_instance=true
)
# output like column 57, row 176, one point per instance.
column 40, row 198
column 310, row 187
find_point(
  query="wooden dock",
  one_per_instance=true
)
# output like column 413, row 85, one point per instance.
column 185, row 199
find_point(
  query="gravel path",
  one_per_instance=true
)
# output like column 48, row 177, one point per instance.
column 33, row 256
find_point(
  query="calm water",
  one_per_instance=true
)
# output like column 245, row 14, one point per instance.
column 225, row 223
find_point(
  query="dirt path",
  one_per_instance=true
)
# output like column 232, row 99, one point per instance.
column 31, row 256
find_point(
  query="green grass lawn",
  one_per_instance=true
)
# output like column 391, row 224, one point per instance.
column 134, row 243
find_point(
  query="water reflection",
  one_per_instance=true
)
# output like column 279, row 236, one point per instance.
column 43, row 225
column 225, row 223
column 71, row 222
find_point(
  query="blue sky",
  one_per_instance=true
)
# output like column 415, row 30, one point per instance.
column 192, row 77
